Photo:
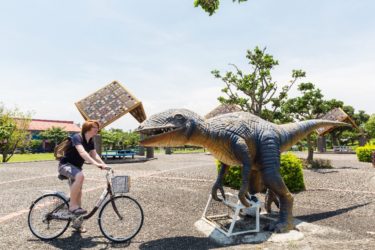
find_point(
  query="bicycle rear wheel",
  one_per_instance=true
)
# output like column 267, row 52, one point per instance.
column 46, row 216
column 120, row 219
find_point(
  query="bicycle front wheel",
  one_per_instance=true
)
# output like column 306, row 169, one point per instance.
column 120, row 218
column 46, row 216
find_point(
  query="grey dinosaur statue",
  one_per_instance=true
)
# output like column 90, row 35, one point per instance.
column 238, row 138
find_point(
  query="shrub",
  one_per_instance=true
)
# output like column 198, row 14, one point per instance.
column 290, row 170
column 36, row 145
column 316, row 164
column 364, row 153
column 233, row 176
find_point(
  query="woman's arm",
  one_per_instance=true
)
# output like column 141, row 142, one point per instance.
column 82, row 152
column 95, row 156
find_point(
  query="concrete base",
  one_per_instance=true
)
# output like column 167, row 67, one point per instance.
column 263, row 236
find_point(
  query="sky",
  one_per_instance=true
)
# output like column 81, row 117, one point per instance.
column 55, row 53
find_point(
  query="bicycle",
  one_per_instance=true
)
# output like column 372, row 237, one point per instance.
column 120, row 216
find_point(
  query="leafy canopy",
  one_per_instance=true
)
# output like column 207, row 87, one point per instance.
column 119, row 139
column 210, row 6
column 14, row 133
column 256, row 91
column 370, row 126
column 54, row 134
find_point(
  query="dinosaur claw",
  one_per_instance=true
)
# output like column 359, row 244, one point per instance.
column 242, row 197
column 222, row 192
column 214, row 192
column 248, row 196
column 279, row 227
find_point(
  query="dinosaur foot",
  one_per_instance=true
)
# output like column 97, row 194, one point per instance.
column 269, row 199
column 215, row 188
column 279, row 227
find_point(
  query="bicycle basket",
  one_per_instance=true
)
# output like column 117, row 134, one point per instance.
column 120, row 184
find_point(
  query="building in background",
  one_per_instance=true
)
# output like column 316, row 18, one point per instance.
column 38, row 125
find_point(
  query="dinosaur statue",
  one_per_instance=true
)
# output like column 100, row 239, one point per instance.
column 238, row 138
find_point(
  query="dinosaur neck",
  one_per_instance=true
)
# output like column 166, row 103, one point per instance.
column 200, row 136
column 291, row 133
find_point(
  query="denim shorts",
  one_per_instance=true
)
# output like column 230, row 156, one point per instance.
column 68, row 170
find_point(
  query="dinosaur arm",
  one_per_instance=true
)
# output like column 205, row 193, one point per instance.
column 219, row 183
column 241, row 152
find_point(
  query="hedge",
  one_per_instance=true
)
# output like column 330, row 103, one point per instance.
column 290, row 170
column 364, row 153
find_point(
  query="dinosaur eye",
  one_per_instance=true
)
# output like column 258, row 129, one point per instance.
column 179, row 117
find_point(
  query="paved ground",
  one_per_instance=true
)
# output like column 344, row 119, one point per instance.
column 173, row 191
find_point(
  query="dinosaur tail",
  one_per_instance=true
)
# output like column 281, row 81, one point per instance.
column 291, row 133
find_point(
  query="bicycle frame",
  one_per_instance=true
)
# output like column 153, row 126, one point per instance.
column 112, row 199
column 107, row 191
column 103, row 196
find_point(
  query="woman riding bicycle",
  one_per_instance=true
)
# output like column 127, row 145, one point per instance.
column 82, row 149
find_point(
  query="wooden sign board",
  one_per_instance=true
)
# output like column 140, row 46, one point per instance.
column 109, row 104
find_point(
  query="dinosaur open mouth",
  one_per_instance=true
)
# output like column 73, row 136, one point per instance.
column 154, row 133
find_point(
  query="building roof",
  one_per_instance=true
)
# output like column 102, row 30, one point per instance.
column 42, row 125
column 223, row 109
column 336, row 114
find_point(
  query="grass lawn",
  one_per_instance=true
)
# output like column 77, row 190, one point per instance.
column 30, row 157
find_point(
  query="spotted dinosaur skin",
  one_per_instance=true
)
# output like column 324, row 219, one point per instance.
column 236, row 139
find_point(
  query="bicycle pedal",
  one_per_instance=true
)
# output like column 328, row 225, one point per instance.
column 77, row 222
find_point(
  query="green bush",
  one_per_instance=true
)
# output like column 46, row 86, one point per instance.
column 316, row 164
column 36, row 145
column 364, row 153
column 233, row 176
column 290, row 170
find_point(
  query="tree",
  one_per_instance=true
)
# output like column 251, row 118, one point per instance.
column 133, row 139
column 107, row 139
column 14, row 133
column 310, row 105
column 54, row 135
column 118, row 139
column 370, row 126
column 348, row 136
column 210, row 6
column 256, row 92
column 35, row 145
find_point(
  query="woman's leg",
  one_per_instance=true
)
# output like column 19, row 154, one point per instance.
column 80, row 197
column 75, row 191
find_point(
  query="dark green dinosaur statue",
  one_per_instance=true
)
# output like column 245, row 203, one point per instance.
column 236, row 139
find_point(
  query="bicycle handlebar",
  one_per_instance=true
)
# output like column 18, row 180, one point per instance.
column 109, row 173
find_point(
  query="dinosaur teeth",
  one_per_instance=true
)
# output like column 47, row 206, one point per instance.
column 156, row 131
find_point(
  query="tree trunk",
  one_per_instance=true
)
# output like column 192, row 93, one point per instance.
column 5, row 155
column 335, row 140
column 310, row 149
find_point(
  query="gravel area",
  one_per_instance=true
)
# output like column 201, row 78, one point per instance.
column 173, row 190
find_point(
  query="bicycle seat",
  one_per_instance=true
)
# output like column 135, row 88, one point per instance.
column 62, row 177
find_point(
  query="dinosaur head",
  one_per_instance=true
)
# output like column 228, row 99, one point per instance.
column 170, row 128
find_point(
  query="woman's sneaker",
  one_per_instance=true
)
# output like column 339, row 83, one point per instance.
column 78, row 211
